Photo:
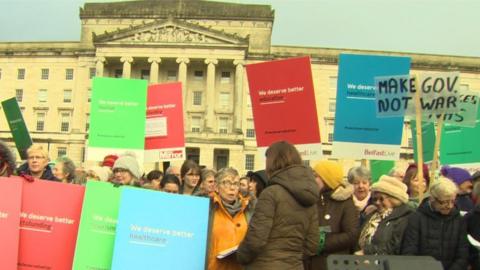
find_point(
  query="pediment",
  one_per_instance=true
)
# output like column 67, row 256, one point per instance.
column 169, row 32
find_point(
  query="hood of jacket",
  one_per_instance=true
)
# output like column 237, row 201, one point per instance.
column 341, row 193
column 299, row 181
column 426, row 209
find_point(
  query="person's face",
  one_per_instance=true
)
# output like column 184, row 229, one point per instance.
column 122, row 176
column 252, row 187
column 191, row 178
column 228, row 188
column 36, row 161
column 244, row 186
column 382, row 201
column 361, row 187
column 443, row 205
column 170, row 188
column 465, row 187
column 417, row 186
column 209, row 184
column 176, row 171
column 156, row 184
column 58, row 171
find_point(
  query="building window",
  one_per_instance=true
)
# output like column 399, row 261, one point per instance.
column 198, row 74
column 171, row 75
column 92, row 73
column 45, row 73
column 19, row 95
column 333, row 82
column 196, row 124
column 87, row 124
column 65, row 122
column 330, row 137
column 331, row 106
column 69, row 74
column 250, row 129
column 249, row 101
column 42, row 95
column 118, row 73
column 223, row 125
column 61, row 152
column 249, row 162
column 21, row 74
column 145, row 74
column 197, row 98
column 67, row 96
column 89, row 94
column 224, row 99
column 40, row 121
column 225, row 78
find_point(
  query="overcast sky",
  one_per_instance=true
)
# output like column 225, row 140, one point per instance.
column 450, row 27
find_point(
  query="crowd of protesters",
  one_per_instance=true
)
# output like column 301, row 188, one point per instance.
column 291, row 216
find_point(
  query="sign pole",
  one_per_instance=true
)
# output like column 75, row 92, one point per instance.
column 436, row 149
column 418, row 111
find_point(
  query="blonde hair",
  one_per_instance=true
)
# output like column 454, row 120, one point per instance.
column 443, row 188
column 37, row 148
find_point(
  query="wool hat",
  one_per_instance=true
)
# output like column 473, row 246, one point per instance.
column 109, row 160
column 129, row 162
column 331, row 172
column 259, row 176
column 392, row 187
column 457, row 175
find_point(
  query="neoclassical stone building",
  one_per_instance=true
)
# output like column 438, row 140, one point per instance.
column 203, row 44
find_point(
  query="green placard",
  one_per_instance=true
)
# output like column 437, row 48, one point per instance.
column 117, row 117
column 17, row 126
column 428, row 140
column 96, row 233
column 459, row 145
column 380, row 167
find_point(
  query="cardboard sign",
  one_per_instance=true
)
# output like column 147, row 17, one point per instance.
column 283, row 104
column 158, row 230
column 379, row 168
column 428, row 140
column 17, row 126
column 165, row 134
column 358, row 133
column 10, row 207
column 465, row 117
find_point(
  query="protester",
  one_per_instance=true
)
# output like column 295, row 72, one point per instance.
column 98, row 173
column 190, row 174
column 207, row 183
column 284, row 228
column 414, row 185
column 258, row 182
column 244, row 186
column 37, row 164
column 229, row 219
column 463, row 180
column 170, row 184
column 382, row 233
column 473, row 229
column 7, row 161
column 175, row 170
column 64, row 170
column 153, row 179
column 436, row 229
column 360, row 178
column 337, row 215
column 126, row 170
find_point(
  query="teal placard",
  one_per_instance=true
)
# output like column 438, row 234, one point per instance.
column 96, row 233
column 380, row 167
column 428, row 140
column 17, row 126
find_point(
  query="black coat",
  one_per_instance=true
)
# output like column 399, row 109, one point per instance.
column 387, row 239
column 473, row 228
column 443, row 237
column 47, row 173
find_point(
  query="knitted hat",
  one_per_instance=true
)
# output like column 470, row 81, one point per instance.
column 331, row 172
column 457, row 175
column 109, row 160
column 129, row 162
column 392, row 187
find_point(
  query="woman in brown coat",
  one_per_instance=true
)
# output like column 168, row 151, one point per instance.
column 337, row 215
column 284, row 228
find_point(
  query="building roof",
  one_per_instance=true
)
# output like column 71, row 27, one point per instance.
column 184, row 9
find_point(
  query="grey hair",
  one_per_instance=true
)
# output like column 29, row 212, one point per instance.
column 359, row 171
column 68, row 167
column 223, row 173
column 206, row 173
column 443, row 187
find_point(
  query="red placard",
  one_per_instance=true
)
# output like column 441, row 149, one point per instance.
column 10, row 204
column 164, row 136
column 283, row 101
column 48, row 224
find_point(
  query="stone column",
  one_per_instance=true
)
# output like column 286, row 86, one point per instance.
column 99, row 65
column 210, row 93
column 154, row 68
column 127, row 66
column 238, row 99
column 182, row 77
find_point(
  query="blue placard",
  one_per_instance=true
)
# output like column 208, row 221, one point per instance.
column 159, row 230
column 358, row 132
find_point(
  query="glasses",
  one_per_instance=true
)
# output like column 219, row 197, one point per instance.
column 444, row 202
column 230, row 184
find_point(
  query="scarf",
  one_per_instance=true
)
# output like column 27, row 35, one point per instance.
column 361, row 204
column 233, row 208
column 371, row 227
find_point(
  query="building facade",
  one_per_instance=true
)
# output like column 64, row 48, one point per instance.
column 205, row 45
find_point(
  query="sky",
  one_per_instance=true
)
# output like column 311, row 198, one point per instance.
column 445, row 27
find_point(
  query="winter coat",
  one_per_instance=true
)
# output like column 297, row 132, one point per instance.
column 473, row 229
column 464, row 202
column 443, row 237
column 387, row 239
column 47, row 173
column 226, row 232
column 284, row 227
column 339, row 216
